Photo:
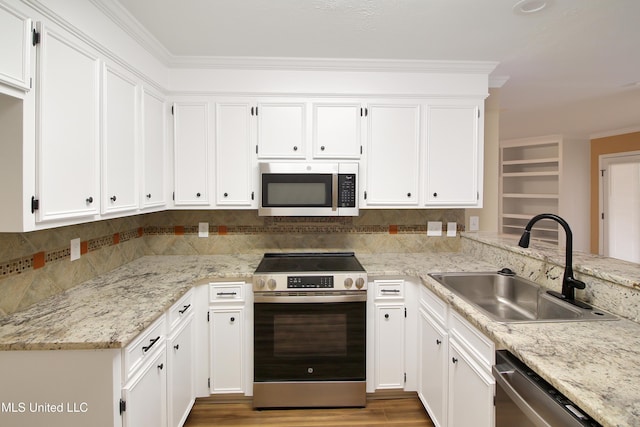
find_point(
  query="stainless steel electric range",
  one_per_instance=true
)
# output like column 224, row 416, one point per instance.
column 309, row 331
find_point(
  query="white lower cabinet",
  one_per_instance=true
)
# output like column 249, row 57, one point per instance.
column 455, row 383
column 229, row 348
column 145, row 395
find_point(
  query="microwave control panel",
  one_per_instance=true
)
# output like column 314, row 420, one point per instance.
column 347, row 190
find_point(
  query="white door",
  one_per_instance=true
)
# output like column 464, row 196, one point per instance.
column 236, row 172
column 68, row 127
column 393, row 141
column 337, row 130
column 281, row 130
column 153, row 149
column 227, row 350
column 119, row 142
column 146, row 395
column 389, row 342
column 620, row 206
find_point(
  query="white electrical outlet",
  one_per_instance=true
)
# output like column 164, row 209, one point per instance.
column 434, row 228
column 203, row 229
column 474, row 223
column 75, row 249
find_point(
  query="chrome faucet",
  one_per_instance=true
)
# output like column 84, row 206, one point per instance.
column 569, row 283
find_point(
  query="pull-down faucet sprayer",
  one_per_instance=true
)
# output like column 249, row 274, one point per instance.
column 569, row 283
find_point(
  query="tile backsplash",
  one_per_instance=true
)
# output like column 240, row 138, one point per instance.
column 36, row 265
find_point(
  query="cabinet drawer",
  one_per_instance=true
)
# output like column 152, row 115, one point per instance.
column 144, row 345
column 389, row 289
column 479, row 346
column 180, row 310
column 436, row 307
column 225, row 292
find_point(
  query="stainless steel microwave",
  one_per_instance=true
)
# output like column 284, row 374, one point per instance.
column 308, row 189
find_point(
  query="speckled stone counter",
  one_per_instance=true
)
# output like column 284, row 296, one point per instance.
column 593, row 363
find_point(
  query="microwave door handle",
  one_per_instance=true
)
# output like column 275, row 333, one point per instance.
column 334, row 192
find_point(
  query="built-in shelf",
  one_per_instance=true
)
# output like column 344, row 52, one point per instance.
column 535, row 175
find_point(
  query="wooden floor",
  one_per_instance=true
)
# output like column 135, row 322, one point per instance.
column 405, row 412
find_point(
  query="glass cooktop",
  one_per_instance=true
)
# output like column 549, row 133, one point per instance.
column 309, row 262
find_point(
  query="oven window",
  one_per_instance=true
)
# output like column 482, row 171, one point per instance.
column 310, row 341
column 296, row 190
column 292, row 332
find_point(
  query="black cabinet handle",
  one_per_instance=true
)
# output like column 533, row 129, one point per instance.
column 148, row 347
column 295, row 148
column 454, row 360
column 233, row 319
column 226, row 194
column 185, row 308
column 435, row 194
column 386, row 316
column 112, row 198
column 408, row 194
column 322, row 148
column 89, row 199
column 177, row 346
column 438, row 342
column 160, row 366
column 149, row 196
column 226, row 294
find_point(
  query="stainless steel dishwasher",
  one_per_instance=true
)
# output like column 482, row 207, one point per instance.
column 524, row 399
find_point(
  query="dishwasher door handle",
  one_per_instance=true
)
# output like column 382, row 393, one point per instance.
column 502, row 376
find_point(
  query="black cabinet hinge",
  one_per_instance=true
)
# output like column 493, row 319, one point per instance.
column 208, row 317
column 35, row 204
column 35, row 37
column 405, row 377
column 208, row 382
column 405, row 314
column 361, row 149
column 123, row 406
column 172, row 111
column 256, row 148
column 253, row 195
column 365, row 195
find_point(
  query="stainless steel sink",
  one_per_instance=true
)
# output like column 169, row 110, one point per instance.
column 509, row 298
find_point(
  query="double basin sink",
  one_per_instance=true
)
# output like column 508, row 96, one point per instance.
column 507, row 298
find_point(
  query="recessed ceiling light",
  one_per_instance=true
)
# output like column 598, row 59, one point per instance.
column 530, row 6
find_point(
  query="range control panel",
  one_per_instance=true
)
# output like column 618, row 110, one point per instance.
column 302, row 282
column 347, row 281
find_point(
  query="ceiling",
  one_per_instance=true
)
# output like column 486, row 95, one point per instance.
column 573, row 67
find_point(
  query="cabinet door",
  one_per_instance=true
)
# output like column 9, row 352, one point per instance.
column 191, row 153
column 180, row 379
column 282, row 130
column 389, row 347
column 226, row 341
column 392, row 155
column 146, row 395
column 453, row 167
column 432, row 368
column 153, row 150
column 119, row 142
column 235, row 159
column 15, row 48
column 337, row 130
column 471, row 390
column 68, row 128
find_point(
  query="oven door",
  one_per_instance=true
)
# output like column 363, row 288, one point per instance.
column 309, row 338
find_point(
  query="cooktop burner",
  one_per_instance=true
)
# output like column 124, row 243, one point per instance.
column 304, row 271
column 309, row 262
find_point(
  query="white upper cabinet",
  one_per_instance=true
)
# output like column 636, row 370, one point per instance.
column 393, row 142
column 281, row 130
column 67, row 127
column 15, row 45
column 453, row 156
column 154, row 149
column 236, row 167
column 337, row 130
column 191, row 153
column 119, row 142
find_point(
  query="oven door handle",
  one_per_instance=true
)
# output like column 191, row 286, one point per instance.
column 334, row 192
column 297, row 299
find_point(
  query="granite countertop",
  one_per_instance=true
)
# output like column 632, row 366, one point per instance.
column 593, row 363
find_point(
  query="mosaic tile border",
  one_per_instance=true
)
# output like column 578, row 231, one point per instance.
column 274, row 225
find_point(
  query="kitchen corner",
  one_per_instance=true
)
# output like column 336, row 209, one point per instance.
column 593, row 363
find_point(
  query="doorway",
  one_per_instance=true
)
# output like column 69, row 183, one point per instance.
column 620, row 206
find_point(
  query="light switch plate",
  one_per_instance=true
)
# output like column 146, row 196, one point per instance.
column 75, row 249
column 203, row 229
column 452, row 227
column 474, row 223
column 434, row 228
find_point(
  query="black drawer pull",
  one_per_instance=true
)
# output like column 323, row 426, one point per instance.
column 393, row 291
column 148, row 347
column 227, row 294
column 186, row 307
